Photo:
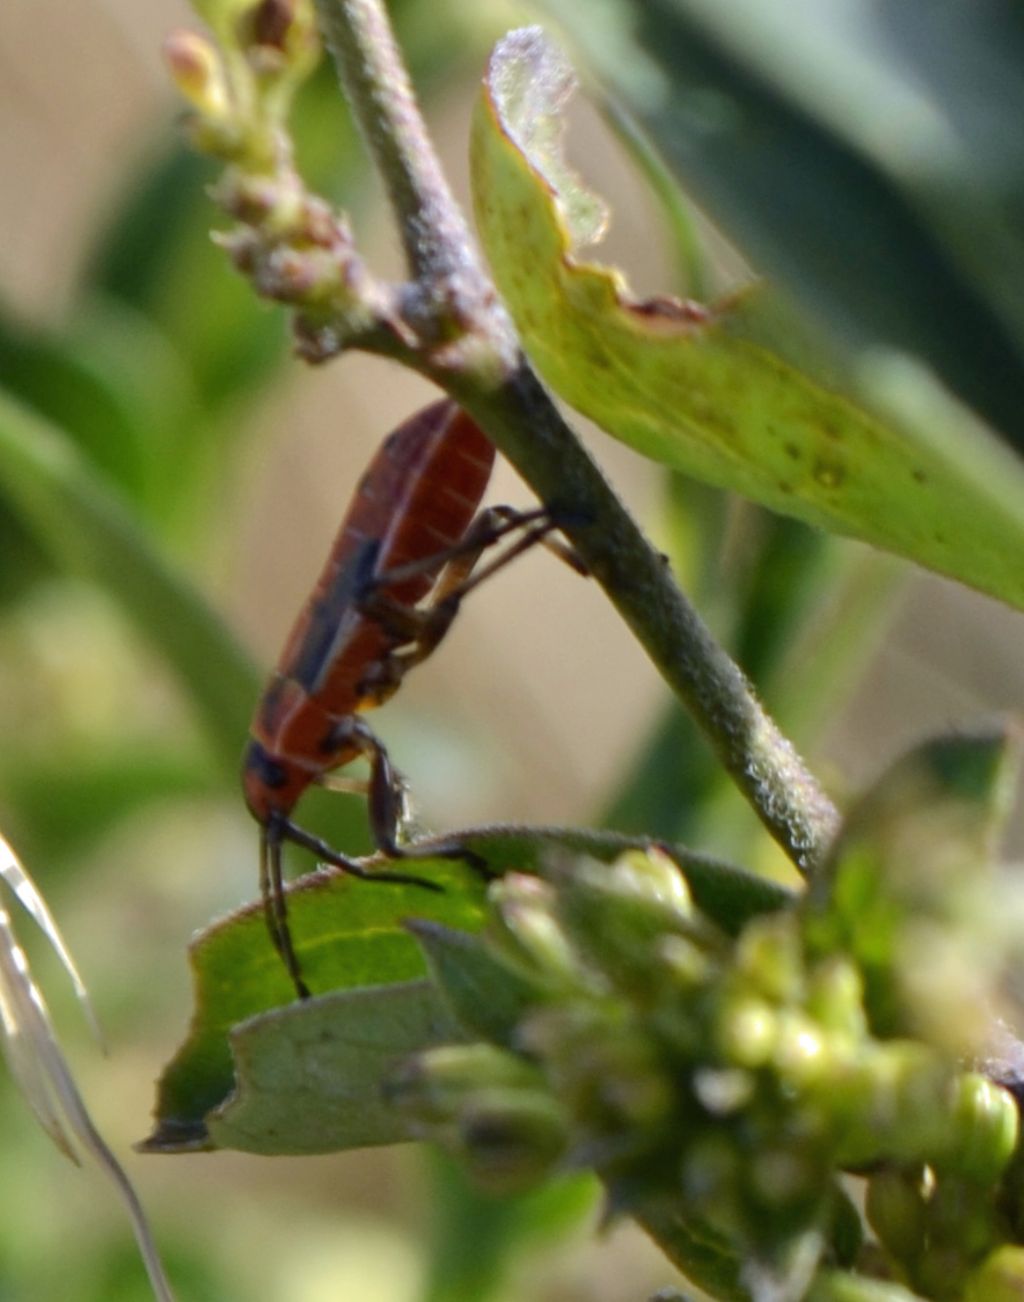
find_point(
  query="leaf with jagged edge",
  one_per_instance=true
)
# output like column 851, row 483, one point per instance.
column 691, row 385
column 778, row 120
column 310, row 1076
column 349, row 936
column 355, row 937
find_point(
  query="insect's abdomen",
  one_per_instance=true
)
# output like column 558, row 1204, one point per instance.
column 416, row 499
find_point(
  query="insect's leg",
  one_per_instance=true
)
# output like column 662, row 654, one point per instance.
column 423, row 629
column 299, row 836
column 455, row 586
column 342, row 782
column 275, row 905
column 486, row 529
column 386, row 805
column 495, row 523
column 452, row 564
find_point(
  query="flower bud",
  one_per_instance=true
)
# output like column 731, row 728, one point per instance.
column 684, row 963
column 432, row 1088
column 196, row 70
column 835, row 997
column 746, row 1031
column 843, row 1286
column 769, row 958
column 985, row 1124
column 616, row 915
column 897, row 1212
column 608, row 1071
column 1000, row 1277
column 526, row 933
column 801, row 1055
column 510, row 1139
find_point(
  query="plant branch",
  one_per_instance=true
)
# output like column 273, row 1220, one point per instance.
column 488, row 374
column 449, row 285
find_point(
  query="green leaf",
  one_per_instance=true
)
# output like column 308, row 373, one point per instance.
column 63, row 804
column 90, row 530
column 486, row 998
column 55, row 377
column 158, row 261
column 309, row 1076
column 702, row 1253
column 348, row 935
column 728, row 895
column 692, row 387
column 780, row 118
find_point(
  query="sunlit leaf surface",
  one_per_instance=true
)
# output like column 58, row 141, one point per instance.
column 863, row 156
column 687, row 385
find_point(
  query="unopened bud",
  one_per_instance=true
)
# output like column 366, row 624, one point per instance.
column 985, row 1125
column 897, row 1211
column 685, row 964
column 433, row 1087
column 489, row 1108
column 1000, row 1277
column 801, row 1051
column 608, row 1072
column 746, row 1031
column 845, row 1286
column 889, row 1105
column 618, row 915
column 196, row 70
column 769, row 958
column 525, row 931
column 835, row 997
column 511, row 1139
column 777, row 1178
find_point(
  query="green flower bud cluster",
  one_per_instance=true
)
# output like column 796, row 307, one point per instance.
column 241, row 89
column 290, row 243
column 489, row 1108
column 733, row 1079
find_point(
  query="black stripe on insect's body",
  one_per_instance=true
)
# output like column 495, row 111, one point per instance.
column 348, row 586
column 258, row 760
column 337, row 736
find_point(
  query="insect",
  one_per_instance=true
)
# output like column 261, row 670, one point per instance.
column 413, row 525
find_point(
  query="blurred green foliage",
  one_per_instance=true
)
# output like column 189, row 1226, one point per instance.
column 121, row 422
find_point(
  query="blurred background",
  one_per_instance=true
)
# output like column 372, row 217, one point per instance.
column 202, row 447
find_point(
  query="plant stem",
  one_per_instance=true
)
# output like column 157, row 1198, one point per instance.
column 492, row 379
column 439, row 250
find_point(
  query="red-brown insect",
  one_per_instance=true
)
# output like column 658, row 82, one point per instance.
column 411, row 527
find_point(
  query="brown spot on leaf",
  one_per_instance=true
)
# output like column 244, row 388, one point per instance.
column 665, row 310
column 828, row 474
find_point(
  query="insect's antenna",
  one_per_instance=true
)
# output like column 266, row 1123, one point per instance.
column 275, row 905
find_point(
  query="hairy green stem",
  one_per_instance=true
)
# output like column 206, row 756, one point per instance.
column 448, row 280
column 491, row 378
